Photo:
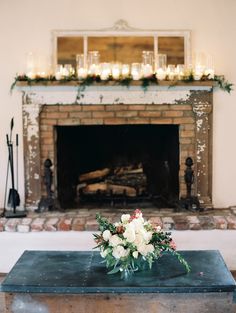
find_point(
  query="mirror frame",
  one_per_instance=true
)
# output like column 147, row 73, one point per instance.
column 122, row 28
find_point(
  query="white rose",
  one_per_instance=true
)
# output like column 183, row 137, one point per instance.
column 115, row 241
column 138, row 240
column 125, row 218
column 129, row 233
column 120, row 252
column 145, row 249
column 135, row 254
column 138, row 224
column 106, row 235
column 150, row 248
column 103, row 253
column 147, row 236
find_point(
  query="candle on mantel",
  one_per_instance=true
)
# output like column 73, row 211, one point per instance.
column 147, row 70
column 161, row 74
column 81, row 66
column 43, row 66
column 210, row 73
column 93, row 63
column 147, row 61
column 136, row 71
column 94, row 70
column 116, row 70
column 125, row 69
column 105, row 70
column 209, row 69
column 198, row 72
column 82, row 73
column 30, row 65
column 180, row 70
column 171, row 72
column 31, row 75
column 43, row 74
column 58, row 72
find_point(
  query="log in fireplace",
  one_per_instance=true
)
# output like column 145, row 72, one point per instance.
column 111, row 164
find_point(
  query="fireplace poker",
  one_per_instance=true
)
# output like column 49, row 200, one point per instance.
column 17, row 175
column 8, row 165
column 13, row 198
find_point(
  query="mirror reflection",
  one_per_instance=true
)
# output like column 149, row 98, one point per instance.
column 121, row 49
column 68, row 48
column 124, row 49
column 173, row 47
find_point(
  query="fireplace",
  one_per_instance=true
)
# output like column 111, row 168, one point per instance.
column 117, row 164
column 117, row 127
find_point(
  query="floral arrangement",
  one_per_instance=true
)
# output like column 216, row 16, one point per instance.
column 133, row 242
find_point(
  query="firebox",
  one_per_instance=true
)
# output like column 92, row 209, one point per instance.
column 117, row 165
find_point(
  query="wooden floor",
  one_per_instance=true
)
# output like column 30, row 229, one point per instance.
column 2, row 304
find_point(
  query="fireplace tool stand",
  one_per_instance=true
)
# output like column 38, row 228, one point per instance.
column 13, row 198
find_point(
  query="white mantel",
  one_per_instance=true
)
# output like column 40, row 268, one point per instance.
column 102, row 94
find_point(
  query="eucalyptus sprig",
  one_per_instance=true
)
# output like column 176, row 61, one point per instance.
column 223, row 84
column 146, row 81
column 104, row 224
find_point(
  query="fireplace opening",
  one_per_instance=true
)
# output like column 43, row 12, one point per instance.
column 117, row 165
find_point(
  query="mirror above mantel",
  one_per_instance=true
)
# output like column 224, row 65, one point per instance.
column 122, row 43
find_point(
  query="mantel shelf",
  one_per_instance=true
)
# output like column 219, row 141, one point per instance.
column 165, row 83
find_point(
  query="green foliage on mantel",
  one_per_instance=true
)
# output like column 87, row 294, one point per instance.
column 144, row 83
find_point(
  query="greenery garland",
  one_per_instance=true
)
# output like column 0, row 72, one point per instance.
column 222, row 83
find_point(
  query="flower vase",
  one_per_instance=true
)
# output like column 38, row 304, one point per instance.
column 126, row 274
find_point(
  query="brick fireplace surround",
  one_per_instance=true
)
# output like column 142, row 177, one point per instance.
column 189, row 106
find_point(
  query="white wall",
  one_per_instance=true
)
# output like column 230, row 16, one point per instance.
column 26, row 25
column 14, row 244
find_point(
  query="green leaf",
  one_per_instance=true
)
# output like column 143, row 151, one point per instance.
column 114, row 270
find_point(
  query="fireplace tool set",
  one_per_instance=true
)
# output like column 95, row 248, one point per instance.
column 13, row 196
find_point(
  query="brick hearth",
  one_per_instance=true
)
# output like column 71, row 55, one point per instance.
column 84, row 220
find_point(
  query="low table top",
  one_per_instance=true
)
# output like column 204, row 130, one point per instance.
column 76, row 272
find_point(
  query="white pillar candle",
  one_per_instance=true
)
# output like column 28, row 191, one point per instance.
column 209, row 68
column 171, row 72
column 210, row 73
column 105, row 71
column 180, row 71
column 161, row 74
column 31, row 75
column 125, row 70
column 136, row 72
column 94, row 70
column 93, row 63
column 116, row 70
column 198, row 72
column 30, row 65
column 43, row 66
column 147, row 70
column 81, row 66
column 58, row 72
column 81, row 73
